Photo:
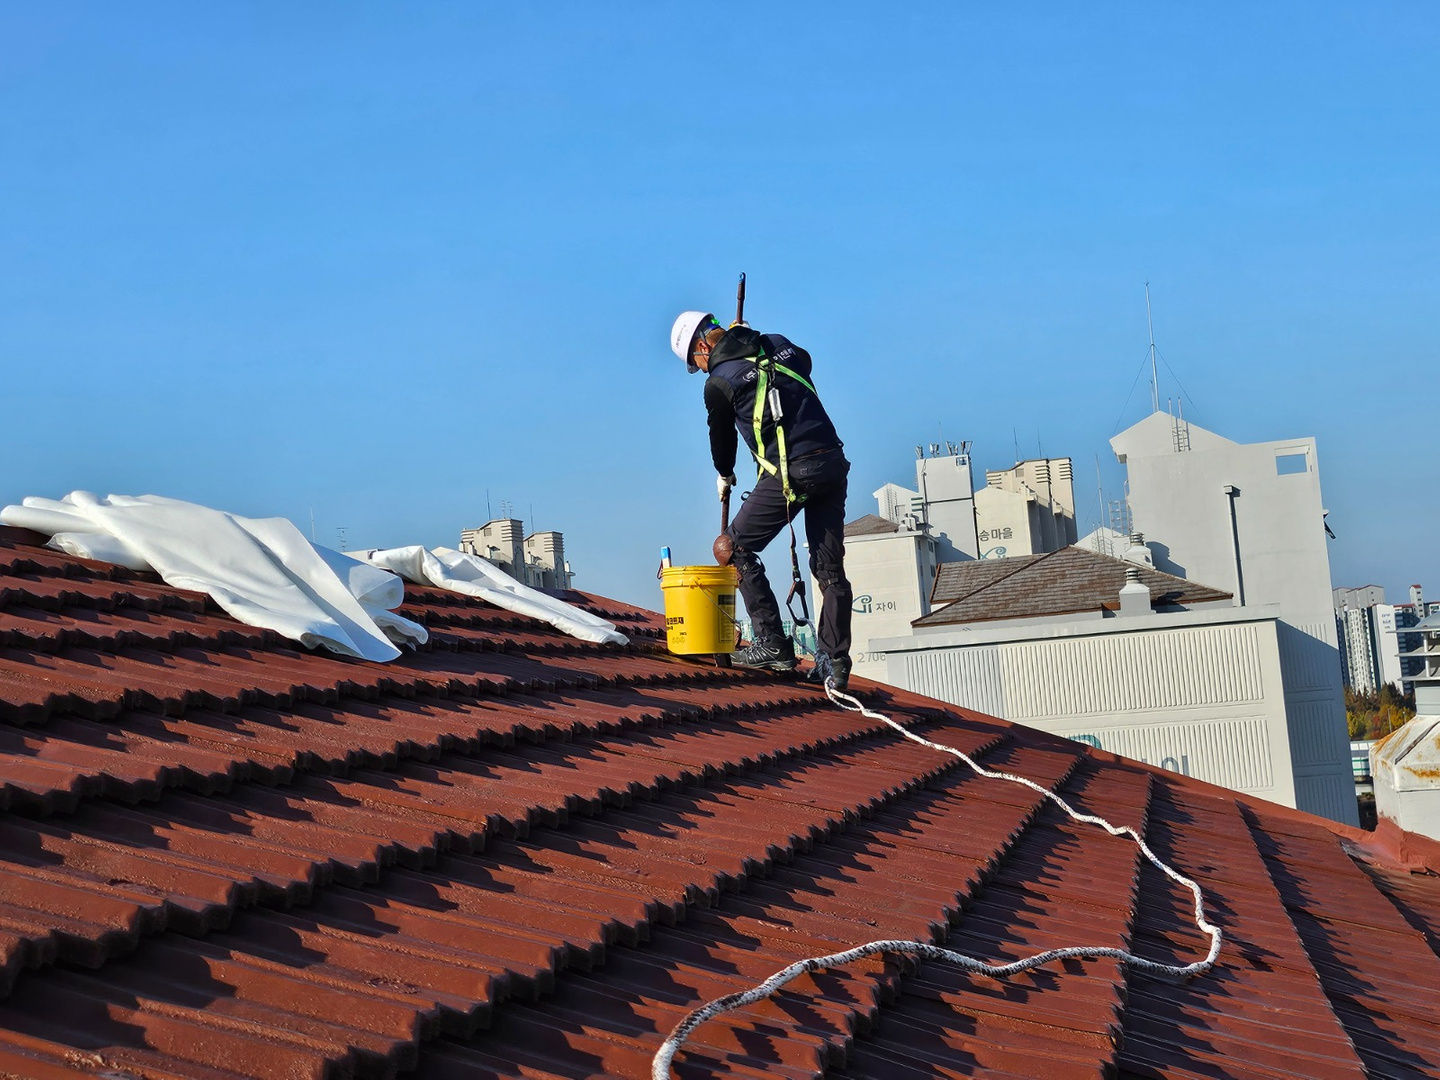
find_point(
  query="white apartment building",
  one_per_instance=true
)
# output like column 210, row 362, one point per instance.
column 1248, row 518
column 537, row 560
column 1373, row 636
column 1240, row 684
column 891, row 557
column 1026, row 510
column 1406, row 763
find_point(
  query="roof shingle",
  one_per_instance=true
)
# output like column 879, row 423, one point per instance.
column 870, row 525
column 510, row 854
column 1062, row 582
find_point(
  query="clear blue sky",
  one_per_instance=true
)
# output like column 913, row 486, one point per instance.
column 384, row 260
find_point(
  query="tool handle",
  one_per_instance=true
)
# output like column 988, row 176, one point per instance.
column 724, row 512
column 740, row 302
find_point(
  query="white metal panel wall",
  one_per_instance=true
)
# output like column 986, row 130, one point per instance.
column 1122, row 673
column 1329, row 795
column 1313, row 735
column 1315, row 715
column 1310, row 657
column 968, row 677
column 1205, row 701
column 1232, row 753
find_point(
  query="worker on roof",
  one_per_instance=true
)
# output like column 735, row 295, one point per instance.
column 759, row 384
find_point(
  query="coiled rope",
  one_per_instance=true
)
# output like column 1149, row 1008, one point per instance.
column 665, row 1056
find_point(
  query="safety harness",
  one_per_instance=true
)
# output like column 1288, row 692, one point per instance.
column 767, row 398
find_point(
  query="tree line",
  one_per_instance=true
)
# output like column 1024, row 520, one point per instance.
column 1375, row 715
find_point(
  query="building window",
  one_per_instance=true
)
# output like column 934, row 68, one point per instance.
column 1289, row 463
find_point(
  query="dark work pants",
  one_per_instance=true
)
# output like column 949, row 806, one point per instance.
column 820, row 480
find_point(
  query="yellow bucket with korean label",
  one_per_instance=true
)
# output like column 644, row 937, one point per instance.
column 699, row 608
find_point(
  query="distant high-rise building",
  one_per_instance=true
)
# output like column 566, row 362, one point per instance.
column 1378, row 643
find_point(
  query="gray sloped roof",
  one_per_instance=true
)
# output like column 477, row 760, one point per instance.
column 1061, row 582
column 870, row 525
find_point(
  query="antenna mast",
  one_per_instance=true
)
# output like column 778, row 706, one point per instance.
column 1154, row 377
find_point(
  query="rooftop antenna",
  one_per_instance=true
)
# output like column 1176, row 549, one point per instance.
column 1154, row 375
column 312, row 524
column 489, row 515
column 341, row 530
column 1102, row 538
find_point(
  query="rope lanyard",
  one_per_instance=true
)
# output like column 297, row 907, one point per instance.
column 665, row 1056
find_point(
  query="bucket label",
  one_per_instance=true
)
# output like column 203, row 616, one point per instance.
column 674, row 620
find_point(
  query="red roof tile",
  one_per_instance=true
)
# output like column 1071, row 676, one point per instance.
column 511, row 854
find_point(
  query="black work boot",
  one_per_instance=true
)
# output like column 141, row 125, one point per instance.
column 777, row 654
column 836, row 671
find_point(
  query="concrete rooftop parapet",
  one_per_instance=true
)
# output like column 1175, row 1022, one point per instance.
column 1406, row 770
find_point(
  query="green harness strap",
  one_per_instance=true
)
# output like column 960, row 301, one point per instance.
column 762, row 399
column 768, row 369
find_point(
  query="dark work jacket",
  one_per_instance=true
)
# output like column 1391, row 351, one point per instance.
column 730, row 400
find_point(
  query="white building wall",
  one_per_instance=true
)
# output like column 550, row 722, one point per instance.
column 949, row 499
column 1248, row 517
column 891, row 575
column 1196, row 692
column 896, row 503
column 1027, row 509
column 1406, row 763
column 545, row 563
column 501, row 541
column 1387, row 645
column 1006, row 523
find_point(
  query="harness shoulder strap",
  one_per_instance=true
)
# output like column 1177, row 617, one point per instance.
column 767, row 368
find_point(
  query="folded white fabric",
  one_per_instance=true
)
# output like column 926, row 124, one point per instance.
column 261, row 571
column 446, row 568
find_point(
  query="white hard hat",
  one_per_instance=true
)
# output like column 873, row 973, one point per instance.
column 682, row 335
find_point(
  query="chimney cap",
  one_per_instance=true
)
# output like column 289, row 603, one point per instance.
column 1134, row 594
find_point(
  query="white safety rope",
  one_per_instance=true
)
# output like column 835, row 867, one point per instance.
column 660, row 1066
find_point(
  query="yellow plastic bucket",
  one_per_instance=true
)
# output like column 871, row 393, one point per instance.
column 699, row 608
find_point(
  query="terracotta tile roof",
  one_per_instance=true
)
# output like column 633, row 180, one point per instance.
column 870, row 525
column 511, row 854
column 1063, row 582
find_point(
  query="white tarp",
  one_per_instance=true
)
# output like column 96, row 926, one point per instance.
column 446, row 568
column 262, row 571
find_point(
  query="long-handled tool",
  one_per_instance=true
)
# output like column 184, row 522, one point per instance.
column 724, row 547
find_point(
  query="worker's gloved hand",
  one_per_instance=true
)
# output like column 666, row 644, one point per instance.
column 723, row 484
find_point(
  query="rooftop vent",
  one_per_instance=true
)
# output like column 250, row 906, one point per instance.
column 1137, row 552
column 1134, row 596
